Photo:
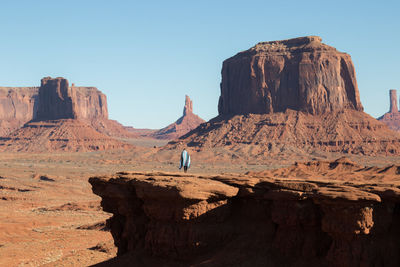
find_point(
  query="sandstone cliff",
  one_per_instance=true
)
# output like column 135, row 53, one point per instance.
column 392, row 118
column 292, row 96
column 67, row 119
column 18, row 105
column 54, row 100
column 162, row 219
column 183, row 125
column 302, row 74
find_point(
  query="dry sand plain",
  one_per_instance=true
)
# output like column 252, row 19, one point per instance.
column 49, row 215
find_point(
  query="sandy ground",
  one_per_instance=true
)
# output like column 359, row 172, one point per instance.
column 49, row 215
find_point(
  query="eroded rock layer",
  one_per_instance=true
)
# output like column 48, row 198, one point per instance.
column 301, row 74
column 58, row 135
column 162, row 219
column 346, row 131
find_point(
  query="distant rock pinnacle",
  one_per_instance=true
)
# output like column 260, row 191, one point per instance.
column 392, row 118
column 188, row 106
column 183, row 125
column 393, row 101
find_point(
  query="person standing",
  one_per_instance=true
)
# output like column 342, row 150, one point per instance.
column 185, row 160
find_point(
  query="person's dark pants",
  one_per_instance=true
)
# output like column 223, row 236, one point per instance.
column 185, row 168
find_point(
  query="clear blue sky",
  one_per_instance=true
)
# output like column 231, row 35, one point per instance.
column 146, row 55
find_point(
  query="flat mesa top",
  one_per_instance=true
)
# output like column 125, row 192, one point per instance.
column 300, row 44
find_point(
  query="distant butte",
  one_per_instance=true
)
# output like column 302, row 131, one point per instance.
column 60, row 118
column 292, row 96
column 392, row 118
column 183, row 125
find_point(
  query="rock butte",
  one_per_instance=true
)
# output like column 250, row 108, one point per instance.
column 55, row 99
column 183, row 125
column 392, row 118
column 292, row 96
column 301, row 74
column 63, row 118
column 258, row 219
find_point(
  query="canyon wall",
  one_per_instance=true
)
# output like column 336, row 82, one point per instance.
column 227, row 220
column 302, row 74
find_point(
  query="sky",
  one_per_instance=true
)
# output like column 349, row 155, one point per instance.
column 147, row 55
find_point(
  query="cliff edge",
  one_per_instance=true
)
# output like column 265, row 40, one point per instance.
column 258, row 219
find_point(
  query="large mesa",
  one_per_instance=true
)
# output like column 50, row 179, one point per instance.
column 302, row 74
column 294, row 96
column 60, row 117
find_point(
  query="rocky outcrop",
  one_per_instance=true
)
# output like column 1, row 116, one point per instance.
column 302, row 74
column 162, row 219
column 183, row 125
column 267, row 135
column 393, row 101
column 59, row 101
column 89, row 103
column 70, row 135
column 296, row 96
column 55, row 100
column 392, row 118
column 18, row 105
column 63, row 118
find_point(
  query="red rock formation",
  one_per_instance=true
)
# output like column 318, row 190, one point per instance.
column 67, row 119
column 58, row 135
column 55, row 100
column 183, row 125
column 18, row 105
column 392, row 118
column 164, row 219
column 188, row 109
column 393, row 101
column 347, row 131
column 89, row 103
column 302, row 74
column 292, row 96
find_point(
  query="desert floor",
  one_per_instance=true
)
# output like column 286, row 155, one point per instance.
column 49, row 215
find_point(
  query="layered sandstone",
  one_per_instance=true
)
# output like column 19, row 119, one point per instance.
column 70, row 135
column 392, row 118
column 346, row 131
column 55, row 100
column 18, row 105
column 301, row 74
column 294, row 96
column 164, row 219
column 67, row 119
column 183, row 125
